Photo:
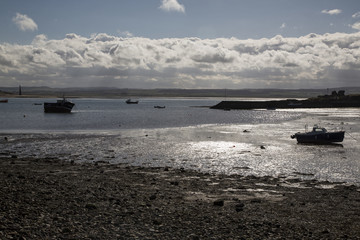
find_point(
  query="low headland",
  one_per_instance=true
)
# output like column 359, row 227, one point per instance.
column 335, row 100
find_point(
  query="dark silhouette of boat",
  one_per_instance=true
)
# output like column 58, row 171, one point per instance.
column 129, row 101
column 4, row 100
column 319, row 135
column 60, row 106
column 159, row 106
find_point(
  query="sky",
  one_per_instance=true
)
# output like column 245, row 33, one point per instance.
column 189, row 44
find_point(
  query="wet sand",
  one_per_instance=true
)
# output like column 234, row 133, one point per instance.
column 52, row 199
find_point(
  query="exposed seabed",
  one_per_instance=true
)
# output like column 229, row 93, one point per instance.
column 252, row 149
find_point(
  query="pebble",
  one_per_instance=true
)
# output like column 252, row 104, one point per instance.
column 219, row 202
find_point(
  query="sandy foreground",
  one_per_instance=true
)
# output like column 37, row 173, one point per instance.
column 53, row 199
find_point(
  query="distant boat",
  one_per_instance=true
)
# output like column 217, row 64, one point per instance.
column 319, row 135
column 129, row 101
column 4, row 100
column 60, row 106
column 159, row 106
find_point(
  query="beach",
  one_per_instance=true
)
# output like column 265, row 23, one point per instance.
column 113, row 171
column 54, row 199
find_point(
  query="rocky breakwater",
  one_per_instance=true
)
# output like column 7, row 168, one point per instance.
column 335, row 100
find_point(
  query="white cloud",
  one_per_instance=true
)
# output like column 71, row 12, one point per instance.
column 125, row 34
column 332, row 12
column 328, row 60
column 356, row 26
column 172, row 5
column 283, row 26
column 24, row 23
column 356, row 15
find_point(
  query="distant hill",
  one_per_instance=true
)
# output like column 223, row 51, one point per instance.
column 102, row 92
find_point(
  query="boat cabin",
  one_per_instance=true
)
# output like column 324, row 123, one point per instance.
column 319, row 129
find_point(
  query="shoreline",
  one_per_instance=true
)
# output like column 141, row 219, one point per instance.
column 51, row 198
column 221, row 149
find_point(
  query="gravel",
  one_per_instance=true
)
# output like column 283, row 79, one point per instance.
column 53, row 199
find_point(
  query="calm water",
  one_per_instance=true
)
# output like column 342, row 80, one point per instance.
column 101, row 114
column 184, row 136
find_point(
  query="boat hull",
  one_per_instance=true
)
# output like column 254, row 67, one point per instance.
column 58, row 108
column 129, row 101
column 328, row 137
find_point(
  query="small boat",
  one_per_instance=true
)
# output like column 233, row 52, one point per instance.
column 129, row 101
column 319, row 135
column 4, row 100
column 60, row 106
column 159, row 106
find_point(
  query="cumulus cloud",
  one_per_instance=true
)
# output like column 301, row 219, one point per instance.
column 172, row 5
column 356, row 15
column 356, row 26
column 319, row 61
column 332, row 12
column 24, row 23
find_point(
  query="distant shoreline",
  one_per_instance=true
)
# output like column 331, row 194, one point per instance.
column 117, row 93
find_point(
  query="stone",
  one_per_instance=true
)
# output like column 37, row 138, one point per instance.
column 239, row 207
column 90, row 206
column 219, row 202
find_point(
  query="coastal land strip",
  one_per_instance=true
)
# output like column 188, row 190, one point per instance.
column 47, row 198
column 326, row 101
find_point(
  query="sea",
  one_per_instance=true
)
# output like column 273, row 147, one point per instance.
column 186, row 134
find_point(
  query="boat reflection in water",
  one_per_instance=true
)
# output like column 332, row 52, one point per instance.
column 319, row 135
column 60, row 106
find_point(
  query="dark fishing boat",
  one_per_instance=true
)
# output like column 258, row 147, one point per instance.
column 129, row 101
column 60, row 106
column 4, row 101
column 159, row 106
column 319, row 135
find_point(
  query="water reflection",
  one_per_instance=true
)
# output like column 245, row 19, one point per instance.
column 264, row 149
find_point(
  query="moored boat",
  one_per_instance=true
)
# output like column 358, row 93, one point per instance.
column 159, row 106
column 60, row 106
column 130, row 101
column 319, row 135
column 4, row 100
